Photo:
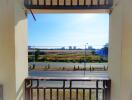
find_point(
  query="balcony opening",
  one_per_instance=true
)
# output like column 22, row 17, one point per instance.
column 68, row 42
column 68, row 56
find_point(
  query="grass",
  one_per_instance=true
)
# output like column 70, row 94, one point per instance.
column 65, row 56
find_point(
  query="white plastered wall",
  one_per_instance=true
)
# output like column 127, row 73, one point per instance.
column 13, row 48
column 120, row 52
column 126, row 72
column 115, row 51
column 21, row 52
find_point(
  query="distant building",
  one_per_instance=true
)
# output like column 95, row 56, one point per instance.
column 70, row 47
column 90, row 48
column 63, row 48
column 74, row 48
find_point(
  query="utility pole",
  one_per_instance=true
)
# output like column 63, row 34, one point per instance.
column 34, row 57
column 85, row 58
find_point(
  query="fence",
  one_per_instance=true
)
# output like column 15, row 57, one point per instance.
column 67, row 89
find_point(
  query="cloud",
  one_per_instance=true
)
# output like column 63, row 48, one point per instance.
column 80, row 22
column 83, row 18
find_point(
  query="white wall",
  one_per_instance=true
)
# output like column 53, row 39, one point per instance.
column 7, row 49
column 127, row 51
column 120, row 55
column 21, row 54
column 115, row 46
column 13, row 48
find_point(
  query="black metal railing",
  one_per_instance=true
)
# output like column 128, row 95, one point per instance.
column 68, row 4
column 90, row 88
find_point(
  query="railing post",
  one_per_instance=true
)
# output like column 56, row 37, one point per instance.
column 97, row 90
column 107, row 89
column 110, row 2
column 70, row 90
column 63, row 90
column 27, row 90
column 1, row 92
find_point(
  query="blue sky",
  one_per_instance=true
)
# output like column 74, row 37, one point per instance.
column 68, row 30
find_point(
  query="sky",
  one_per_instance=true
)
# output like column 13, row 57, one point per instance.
column 59, row 30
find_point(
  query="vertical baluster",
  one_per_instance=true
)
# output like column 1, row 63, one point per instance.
column 31, row 82
column 37, row 83
column 76, row 94
column 37, row 93
column 27, row 90
column 44, row 2
column 71, row 2
column 64, row 2
column 50, row 94
column 37, row 2
column 51, row 3
column 26, row 2
column 105, row 90
column 84, row 2
column 83, row 94
column 110, row 3
column 103, row 93
column 57, row 97
column 58, row 2
column 63, row 94
column 37, row 89
column 63, row 90
column 31, row 2
column 31, row 94
column 98, row 2
column 105, row 1
column 97, row 90
column 78, row 2
column 90, row 95
column 27, row 94
column 44, row 94
column 108, row 87
column 91, row 5
column 70, row 90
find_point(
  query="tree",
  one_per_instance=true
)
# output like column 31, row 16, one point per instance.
column 93, row 52
column 37, row 52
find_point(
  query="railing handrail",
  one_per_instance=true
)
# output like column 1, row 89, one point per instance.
column 90, row 78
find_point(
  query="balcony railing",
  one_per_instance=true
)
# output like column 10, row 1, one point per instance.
column 68, row 4
column 87, row 88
